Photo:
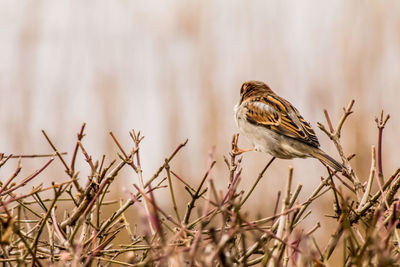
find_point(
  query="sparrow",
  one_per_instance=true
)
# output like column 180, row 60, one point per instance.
column 275, row 126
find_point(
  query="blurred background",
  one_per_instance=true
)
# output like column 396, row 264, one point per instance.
column 173, row 70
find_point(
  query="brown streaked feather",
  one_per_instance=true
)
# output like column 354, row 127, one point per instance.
column 280, row 116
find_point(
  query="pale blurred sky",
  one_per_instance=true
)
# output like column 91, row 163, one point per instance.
column 173, row 70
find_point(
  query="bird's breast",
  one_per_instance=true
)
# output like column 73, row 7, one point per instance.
column 266, row 140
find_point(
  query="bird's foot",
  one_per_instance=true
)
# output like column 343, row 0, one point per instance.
column 237, row 151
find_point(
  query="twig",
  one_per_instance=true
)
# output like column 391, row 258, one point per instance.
column 72, row 173
column 59, row 232
column 152, row 202
column 196, row 195
column 335, row 137
column 171, row 190
column 370, row 179
column 261, row 174
column 4, row 160
column 380, row 123
column 34, row 246
column 155, row 175
column 334, row 238
column 12, row 177
column 328, row 120
column 12, row 156
column 26, row 180
column 87, row 157
column 56, row 151
column 282, row 221
column 87, row 197
column 392, row 192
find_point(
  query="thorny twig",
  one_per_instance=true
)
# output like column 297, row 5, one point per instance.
column 335, row 135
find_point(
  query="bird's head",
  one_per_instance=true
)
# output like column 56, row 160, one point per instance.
column 252, row 88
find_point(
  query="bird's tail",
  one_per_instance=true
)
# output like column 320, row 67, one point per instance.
column 325, row 158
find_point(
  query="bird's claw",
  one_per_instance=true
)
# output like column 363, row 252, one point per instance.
column 236, row 151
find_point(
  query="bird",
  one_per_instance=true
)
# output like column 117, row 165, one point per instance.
column 275, row 126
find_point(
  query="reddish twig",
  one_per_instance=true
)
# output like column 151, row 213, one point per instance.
column 26, row 180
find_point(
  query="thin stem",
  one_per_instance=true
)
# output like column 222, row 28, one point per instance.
column 256, row 182
column 171, row 190
column 196, row 195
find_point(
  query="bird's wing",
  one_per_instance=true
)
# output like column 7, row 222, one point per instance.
column 280, row 116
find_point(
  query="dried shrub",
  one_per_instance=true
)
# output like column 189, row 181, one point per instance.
column 213, row 230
